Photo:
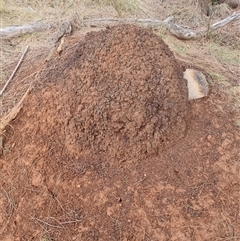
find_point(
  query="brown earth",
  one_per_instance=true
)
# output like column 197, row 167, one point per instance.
column 60, row 178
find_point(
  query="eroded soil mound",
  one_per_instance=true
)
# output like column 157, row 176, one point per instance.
column 120, row 92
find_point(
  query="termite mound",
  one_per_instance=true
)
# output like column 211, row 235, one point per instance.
column 119, row 92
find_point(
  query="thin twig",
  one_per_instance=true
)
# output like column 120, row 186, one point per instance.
column 71, row 221
column 230, row 238
column 11, row 205
column 1, row 145
column 48, row 224
column 56, row 226
column 141, row 180
column 15, row 70
column 70, row 5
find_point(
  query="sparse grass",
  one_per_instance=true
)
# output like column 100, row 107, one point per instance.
column 217, row 76
column 11, row 204
column 4, row 12
column 20, row 12
column 46, row 238
column 120, row 6
column 224, row 54
column 234, row 93
column 162, row 32
column 220, row 79
column 17, row 16
column 177, row 46
column 3, row 76
column 237, row 123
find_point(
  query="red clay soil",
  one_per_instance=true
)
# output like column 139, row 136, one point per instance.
column 106, row 147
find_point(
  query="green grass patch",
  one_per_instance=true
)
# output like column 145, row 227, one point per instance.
column 219, row 79
column 225, row 54
column 177, row 46
column 162, row 32
column 217, row 76
column 4, row 12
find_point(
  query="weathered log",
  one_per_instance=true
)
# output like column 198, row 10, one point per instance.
column 183, row 33
column 175, row 29
column 145, row 22
column 27, row 28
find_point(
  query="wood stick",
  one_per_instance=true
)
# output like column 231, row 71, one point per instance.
column 71, row 221
column 15, row 70
column 234, row 16
column 70, row 5
column 48, row 224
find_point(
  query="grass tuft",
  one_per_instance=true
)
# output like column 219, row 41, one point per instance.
column 225, row 54
column 237, row 123
column 46, row 238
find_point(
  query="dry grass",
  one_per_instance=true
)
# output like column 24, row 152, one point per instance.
column 18, row 12
column 237, row 123
column 120, row 6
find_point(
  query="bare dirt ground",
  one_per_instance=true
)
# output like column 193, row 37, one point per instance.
column 59, row 181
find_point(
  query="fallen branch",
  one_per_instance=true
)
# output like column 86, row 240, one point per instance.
column 145, row 22
column 183, row 33
column 175, row 29
column 18, row 30
column 15, row 70
column 234, row 16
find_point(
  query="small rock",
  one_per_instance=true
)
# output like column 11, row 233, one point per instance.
column 197, row 84
column 233, row 3
column 209, row 137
